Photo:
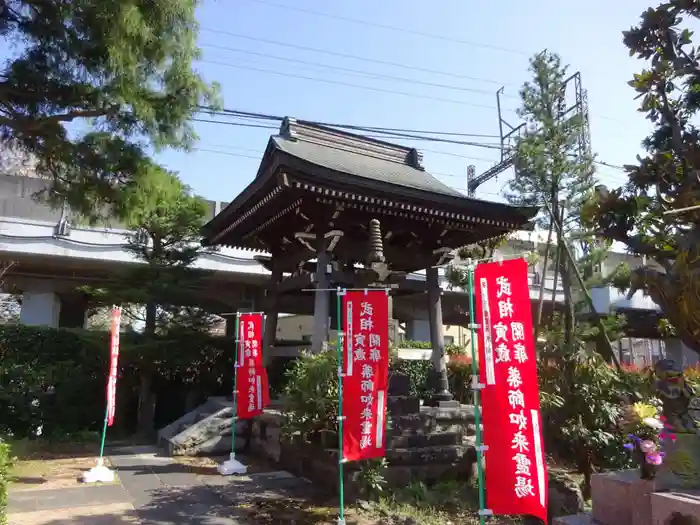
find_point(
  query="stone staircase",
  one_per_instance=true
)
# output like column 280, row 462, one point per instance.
column 428, row 443
column 578, row 519
column 423, row 443
column 206, row 430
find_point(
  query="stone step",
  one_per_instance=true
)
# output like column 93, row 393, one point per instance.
column 461, row 413
column 409, row 424
column 442, row 439
column 426, row 455
column 202, row 415
column 399, row 405
column 574, row 519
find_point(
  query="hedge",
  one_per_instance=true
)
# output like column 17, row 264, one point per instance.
column 5, row 465
column 52, row 381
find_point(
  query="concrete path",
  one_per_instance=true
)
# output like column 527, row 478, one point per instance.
column 154, row 490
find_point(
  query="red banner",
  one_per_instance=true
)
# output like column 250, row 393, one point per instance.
column 113, row 365
column 251, row 378
column 365, row 373
column 516, row 474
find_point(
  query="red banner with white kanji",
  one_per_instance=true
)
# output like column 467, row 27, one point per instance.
column 113, row 364
column 365, row 373
column 516, row 473
column 253, row 393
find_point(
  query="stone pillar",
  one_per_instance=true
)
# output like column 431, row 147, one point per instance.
column 40, row 309
column 437, row 336
column 681, row 354
column 231, row 326
column 393, row 325
column 271, row 316
column 322, row 298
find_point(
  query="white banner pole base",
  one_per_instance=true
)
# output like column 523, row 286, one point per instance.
column 98, row 474
column 231, row 467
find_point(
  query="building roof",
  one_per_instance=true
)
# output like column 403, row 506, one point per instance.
column 307, row 167
column 381, row 162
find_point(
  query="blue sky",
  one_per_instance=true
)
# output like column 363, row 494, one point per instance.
column 586, row 34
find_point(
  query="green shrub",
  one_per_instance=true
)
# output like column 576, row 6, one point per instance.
column 418, row 372
column 459, row 374
column 582, row 403
column 53, row 381
column 5, row 465
column 311, row 395
column 451, row 349
column 277, row 369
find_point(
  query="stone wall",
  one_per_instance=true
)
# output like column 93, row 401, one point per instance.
column 427, row 446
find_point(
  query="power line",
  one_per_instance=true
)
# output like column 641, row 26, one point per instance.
column 253, row 157
column 370, row 131
column 389, row 27
column 383, row 129
column 229, row 153
column 607, row 164
column 354, row 57
column 259, row 153
column 424, row 150
column 240, row 124
column 409, row 67
column 353, row 71
column 383, row 136
column 356, row 86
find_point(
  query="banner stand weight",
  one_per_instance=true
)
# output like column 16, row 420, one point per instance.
column 99, row 474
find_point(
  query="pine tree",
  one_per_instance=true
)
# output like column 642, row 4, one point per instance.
column 122, row 68
column 552, row 171
column 555, row 171
column 164, row 218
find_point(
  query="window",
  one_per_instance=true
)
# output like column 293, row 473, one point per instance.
column 306, row 338
column 448, row 340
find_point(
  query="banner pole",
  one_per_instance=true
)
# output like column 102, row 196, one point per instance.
column 100, row 461
column 236, row 364
column 339, row 344
column 100, row 473
column 477, row 398
column 232, row 465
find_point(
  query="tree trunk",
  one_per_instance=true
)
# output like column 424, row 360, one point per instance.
column 565, row 269
column 585, row 467
column 146, row 410
column 569, row 309
column 147, row 405
column 540, row 302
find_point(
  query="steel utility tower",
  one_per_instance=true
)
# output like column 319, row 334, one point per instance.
column 573, row 104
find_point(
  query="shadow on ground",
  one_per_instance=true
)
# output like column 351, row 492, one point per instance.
column 204, row 506
column 171, row 468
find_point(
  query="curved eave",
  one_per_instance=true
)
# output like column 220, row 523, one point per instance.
column 215, row 231
column 266, row 170
column 317, row 175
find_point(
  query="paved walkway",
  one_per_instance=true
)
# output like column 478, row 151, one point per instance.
column 153, row 490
